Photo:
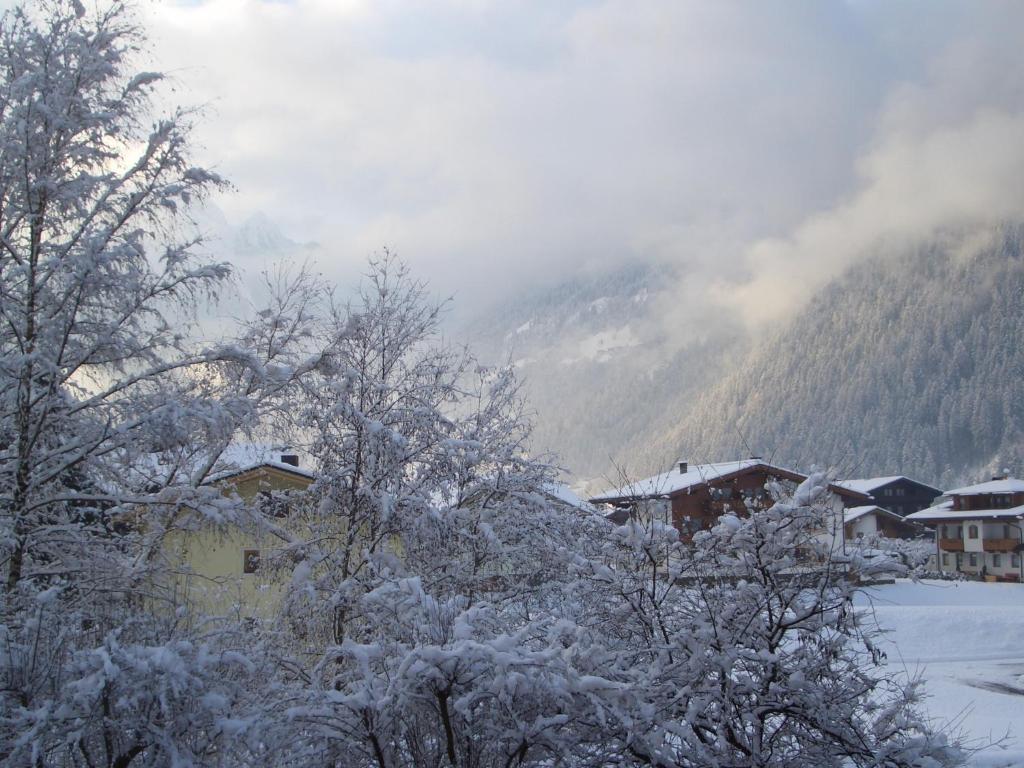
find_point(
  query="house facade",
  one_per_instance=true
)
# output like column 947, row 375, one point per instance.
column 897, row 493
column 695, row 496
column 871, row 521
column 978, row 530
column 220, row 568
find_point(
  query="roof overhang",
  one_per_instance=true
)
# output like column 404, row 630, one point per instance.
column 781, row 472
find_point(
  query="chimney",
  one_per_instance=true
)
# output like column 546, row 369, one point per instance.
column 290, row 458
column 683, row 467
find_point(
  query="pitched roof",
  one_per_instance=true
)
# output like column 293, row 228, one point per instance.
column 854, row 513
column 562, row 493
column 245, row 457
column 945, row 511
column 1006, row 485
column 697, row 475
column 675, row 481
column 868, row 484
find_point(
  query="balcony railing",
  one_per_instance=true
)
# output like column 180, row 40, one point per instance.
column 1001, row 545
column 951, row 545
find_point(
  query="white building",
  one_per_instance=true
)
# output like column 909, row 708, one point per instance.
column 978, row 529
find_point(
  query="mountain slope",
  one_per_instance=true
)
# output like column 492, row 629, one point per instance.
column 598, row 364
column 909, row 364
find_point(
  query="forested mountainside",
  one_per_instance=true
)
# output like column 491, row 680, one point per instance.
column 911, row 363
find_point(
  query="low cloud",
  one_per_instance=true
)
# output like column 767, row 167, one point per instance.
column 947, row 158
column 494, row 145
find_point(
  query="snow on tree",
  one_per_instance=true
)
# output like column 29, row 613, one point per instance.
column 745, row 650
column 440, row 608
column 419, row 567
column 443, row 612
column 92, row 276
column 98, row 376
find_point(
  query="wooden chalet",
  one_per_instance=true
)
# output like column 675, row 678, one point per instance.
column 698, row 494
column 897, row 493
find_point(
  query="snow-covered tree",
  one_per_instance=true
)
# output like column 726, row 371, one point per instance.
column 440, row 609
column 419, row 568
column 443, row 611
column 99, row 382
column 744, row 649
column 94, row 278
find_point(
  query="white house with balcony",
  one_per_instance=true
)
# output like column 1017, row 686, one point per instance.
column 978, row 529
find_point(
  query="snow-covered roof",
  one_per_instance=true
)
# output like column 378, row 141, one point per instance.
column 696, row 475
column 853, row 513
column 945, row 511
column 247, row 456
column 1007, row 485
column 674, row 481
column 564, row 494
column 868, row 484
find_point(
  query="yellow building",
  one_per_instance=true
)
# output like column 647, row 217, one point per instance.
column 220, row 569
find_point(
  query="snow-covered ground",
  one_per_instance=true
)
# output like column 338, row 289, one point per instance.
column 967, row 641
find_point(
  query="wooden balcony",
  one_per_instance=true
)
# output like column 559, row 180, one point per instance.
column 1000, row 545
column 951, row 545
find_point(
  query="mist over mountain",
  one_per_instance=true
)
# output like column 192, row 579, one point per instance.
column 910, row 362
column 600, row 365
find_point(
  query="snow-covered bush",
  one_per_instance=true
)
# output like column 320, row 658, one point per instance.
column 146, row 694
column 742, row 650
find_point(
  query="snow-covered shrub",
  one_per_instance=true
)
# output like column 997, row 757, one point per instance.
column 742, row 651
column 146, row 694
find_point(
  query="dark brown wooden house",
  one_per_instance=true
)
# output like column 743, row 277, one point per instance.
column 896, row 493
column 696, row 495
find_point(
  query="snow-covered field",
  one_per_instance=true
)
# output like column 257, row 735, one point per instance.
column 967, row 641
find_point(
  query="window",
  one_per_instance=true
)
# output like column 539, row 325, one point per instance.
column 997, row 561
column 250, row 560
column 1015, row 561
column 1006, row 531
column 900, row 491
column 972, row 532
column 973, row 560
column 945, row 559
column 959, row 532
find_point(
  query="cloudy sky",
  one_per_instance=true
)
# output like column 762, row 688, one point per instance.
column 758, row 146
